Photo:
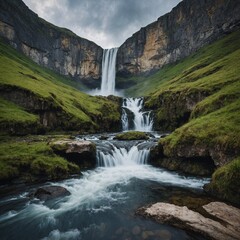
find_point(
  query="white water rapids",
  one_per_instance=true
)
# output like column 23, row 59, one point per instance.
column 142, row 120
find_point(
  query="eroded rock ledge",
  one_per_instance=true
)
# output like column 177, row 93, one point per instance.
column 223, row 221
column 82, row 153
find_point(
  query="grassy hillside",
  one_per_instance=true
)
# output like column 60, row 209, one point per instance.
column 31, row 159
column 74, row 110
column 199, row 98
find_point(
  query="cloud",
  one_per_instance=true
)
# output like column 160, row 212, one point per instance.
column 106, row 22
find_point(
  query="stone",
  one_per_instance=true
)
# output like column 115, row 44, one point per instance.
column 188, row 27
column 136, row 230
column 163, row 234
column 81, row 152
column 147, row 234
column 55, row 48
column 50, row 192
column 218, row 225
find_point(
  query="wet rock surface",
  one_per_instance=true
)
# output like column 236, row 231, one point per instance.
column 50, row 192
column 223, row 221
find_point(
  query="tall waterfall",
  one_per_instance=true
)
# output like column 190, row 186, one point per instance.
column 140, row 120
column 108, row 71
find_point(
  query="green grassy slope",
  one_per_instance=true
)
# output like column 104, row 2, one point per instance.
column 80, row 110
column 215, row 119
column 207, row 69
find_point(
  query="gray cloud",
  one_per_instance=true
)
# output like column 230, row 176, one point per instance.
column 106, row 22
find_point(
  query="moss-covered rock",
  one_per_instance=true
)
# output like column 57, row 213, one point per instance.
column 132, row 135
column 32, row 159
column 225, row 183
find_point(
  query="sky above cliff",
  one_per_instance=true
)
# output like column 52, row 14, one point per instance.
column 106, row 22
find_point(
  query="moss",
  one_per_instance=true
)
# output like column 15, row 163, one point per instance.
column 76, row 110
column 221, row 127
column 133, row 135
column 15, row 120
column 225, row 182
column 32, row 158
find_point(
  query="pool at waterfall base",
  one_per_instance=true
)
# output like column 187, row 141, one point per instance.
column 103, row 201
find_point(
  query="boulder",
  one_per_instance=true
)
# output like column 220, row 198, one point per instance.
column 81, row 152
column 50, row 192
column 222, row 221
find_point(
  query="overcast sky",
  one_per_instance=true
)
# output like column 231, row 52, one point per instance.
column 106, row 22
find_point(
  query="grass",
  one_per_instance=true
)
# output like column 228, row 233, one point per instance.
column 80, row 109
column 31, row 159
column 132, row 135
column 15, row 120
column 218, row 128
column 225, row 182
column 11, row 112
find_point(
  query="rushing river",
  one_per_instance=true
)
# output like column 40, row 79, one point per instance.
column 103, row 201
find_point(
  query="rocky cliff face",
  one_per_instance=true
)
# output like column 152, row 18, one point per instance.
column 50, row 46
column 189, row 26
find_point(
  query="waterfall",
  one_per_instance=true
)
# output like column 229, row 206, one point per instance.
column 122, row 156
column 108, row 71
column 141, row 120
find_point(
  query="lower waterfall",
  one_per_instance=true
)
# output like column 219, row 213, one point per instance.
column 122, row 156
column 140, row 120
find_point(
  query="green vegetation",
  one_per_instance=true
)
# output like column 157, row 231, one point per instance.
column 220, row 128
column 132, row 135
column 225, row 182
column 12, row 112
column 199, row 98
column 207, row 70
column 75, row 110
column 202, row 90
column 32, row 159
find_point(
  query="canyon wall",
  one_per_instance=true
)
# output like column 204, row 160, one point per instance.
column 189, row 26
column 56, row 48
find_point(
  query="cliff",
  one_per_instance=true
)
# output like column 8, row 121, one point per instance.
column 189, row 26
column 56, row 48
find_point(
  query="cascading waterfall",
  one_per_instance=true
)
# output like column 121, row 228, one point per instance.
column 142, row 120
column 108, row 71
column 122, row 156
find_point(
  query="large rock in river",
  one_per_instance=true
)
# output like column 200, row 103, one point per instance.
column 50, row 192
column 222, row 221
column 81, row 152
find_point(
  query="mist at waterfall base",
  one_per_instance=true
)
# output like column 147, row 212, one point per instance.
column 102, row 201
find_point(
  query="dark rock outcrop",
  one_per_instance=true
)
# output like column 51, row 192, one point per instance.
column 56, row 48
column 82, row 153
column 189, row 26
column 172, row 110
column 50, row 192
column 195, row 164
